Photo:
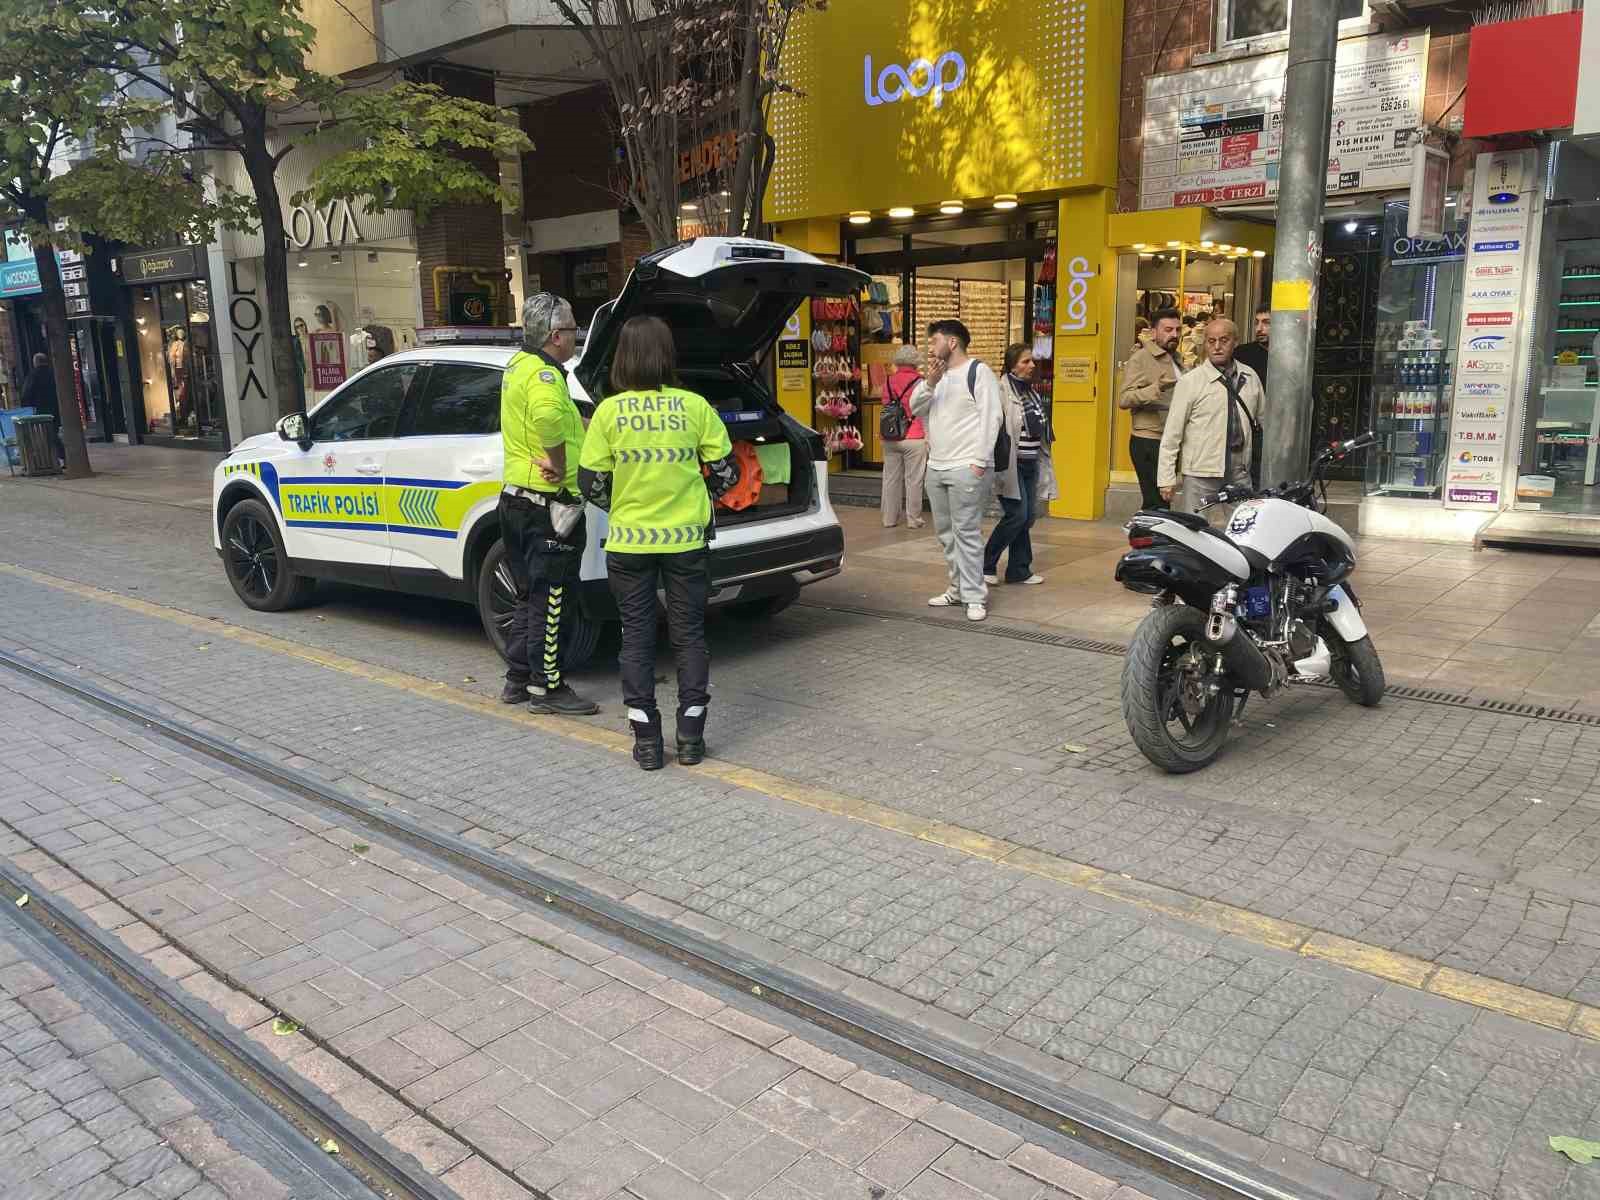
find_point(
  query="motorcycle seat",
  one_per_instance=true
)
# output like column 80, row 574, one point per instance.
column 1190, row 520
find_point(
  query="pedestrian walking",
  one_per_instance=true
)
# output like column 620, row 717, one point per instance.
column 642, row 461
column 39, row 394
column 1210, row 434
column 905, row 457
column 960, row 402
column 1028, row 425
column 1147, row 382
column 541, row 516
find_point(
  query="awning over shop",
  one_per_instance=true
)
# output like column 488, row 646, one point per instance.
column 1193, row 228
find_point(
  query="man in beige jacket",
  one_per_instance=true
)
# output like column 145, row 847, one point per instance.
column 1208, row 439
column 1147, row 383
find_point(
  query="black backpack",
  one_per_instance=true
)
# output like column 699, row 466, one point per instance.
column 1002, row 440
column 895, row 422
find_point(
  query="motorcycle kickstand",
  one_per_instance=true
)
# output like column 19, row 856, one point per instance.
column 1238, row 713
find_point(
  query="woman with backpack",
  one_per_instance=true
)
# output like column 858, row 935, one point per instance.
column 905, row 450
column 1027, row 420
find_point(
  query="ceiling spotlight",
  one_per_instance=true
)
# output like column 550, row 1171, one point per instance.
column 689, row 206
column 1351, row 226
column 860, row 217
column 1223, row 247
column 1148, row 254
column 1174, row 245
column 302, row 263
column 1206, row 244
column 1258, row 254
column 1138, row 245
column 336, row 258
column 1005, row 200
column 952, row 208
column 901, row 211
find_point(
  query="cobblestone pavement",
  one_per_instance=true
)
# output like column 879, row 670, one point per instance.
column 509, row 1055
column 84, row 1115
column 1307, row 1067
column 1461, row 837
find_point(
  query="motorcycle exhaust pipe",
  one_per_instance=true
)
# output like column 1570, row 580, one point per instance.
column 1241, row 657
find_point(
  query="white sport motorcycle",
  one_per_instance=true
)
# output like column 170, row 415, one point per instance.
column 1252, row 608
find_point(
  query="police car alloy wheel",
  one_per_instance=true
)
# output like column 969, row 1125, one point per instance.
column 254, row 558
column 497, row 600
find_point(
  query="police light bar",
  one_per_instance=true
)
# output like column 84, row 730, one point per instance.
column 469, row 335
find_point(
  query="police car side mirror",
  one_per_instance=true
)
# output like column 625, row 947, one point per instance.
column 295, row 428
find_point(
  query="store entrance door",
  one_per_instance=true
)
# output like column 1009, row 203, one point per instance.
column 977, row 275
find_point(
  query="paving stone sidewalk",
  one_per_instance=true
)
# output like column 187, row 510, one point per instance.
column 1470, row 839
column 508, row 1055
column 1307, row 1068
column 83, row 1115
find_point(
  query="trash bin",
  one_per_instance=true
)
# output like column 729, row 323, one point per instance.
column 37, row 447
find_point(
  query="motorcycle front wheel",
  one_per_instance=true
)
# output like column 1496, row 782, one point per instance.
column 1174, row 722
column 1356, row 668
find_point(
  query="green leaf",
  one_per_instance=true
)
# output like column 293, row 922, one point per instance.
column 22, row 900
column 1578, row 1150
column 331, row 1146
column 284, row 1027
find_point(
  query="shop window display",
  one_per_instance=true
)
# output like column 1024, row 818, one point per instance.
column 1419, row 296
column 349, row 309
column 178, row 361
column 1560, row 462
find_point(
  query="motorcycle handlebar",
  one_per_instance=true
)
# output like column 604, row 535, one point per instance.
column 1236, row 494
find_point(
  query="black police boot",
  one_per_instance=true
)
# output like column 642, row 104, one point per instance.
column 691, row 735
column 648, row 751
column 560, row 701
column 514, row 692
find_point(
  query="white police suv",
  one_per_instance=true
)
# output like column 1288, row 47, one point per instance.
column 393, row 481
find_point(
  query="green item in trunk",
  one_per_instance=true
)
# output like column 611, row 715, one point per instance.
column 776, row 463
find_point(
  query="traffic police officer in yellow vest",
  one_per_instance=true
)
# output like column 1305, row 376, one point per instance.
column 642, row 460
column 541, row 516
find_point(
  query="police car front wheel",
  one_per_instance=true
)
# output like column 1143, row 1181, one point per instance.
column 254, row 558
column 497, row 600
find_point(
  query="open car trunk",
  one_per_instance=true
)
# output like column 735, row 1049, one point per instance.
column 783, row 450
column 726, row 301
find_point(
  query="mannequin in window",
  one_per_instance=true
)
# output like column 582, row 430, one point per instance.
column 178, row 368
column 302, row 351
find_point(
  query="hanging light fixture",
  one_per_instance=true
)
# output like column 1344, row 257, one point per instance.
column 952, row 208
column 1005, row 201
column 860, row 217
column 900, row 211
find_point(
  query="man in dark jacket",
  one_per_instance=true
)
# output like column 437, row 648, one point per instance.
column 39, row 394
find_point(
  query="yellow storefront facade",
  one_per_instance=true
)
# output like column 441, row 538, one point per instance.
column 964, row 155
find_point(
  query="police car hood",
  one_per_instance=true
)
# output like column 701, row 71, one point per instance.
column 726, row 301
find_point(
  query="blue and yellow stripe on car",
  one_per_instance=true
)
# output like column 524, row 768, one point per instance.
column 420, row 507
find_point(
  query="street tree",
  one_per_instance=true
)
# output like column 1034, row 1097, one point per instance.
column 233, row 68
column 695, row 76
column 67, row 175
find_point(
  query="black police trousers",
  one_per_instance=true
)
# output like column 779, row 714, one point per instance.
column 686, row 579
column 545, row 569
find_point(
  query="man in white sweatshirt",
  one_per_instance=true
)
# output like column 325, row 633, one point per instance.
column 959, row 402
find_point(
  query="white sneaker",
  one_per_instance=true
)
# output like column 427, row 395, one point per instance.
column 1034, row 579
column 976, row 612
column 991, row 579
column 947, row 600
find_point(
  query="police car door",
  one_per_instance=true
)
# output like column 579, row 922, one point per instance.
column 444, row 466
column 332, row 494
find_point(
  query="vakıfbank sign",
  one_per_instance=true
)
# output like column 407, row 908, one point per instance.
column 909, row 102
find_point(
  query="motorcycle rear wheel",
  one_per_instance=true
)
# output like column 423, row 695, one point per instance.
column 1356, row 668
column 1174, row 724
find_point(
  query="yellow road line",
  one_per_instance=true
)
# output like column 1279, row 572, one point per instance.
column 1375, row 961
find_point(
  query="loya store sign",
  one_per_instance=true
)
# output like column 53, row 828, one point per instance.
column 1491, row 329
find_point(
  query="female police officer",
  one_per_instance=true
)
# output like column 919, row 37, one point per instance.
column 641, row 460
